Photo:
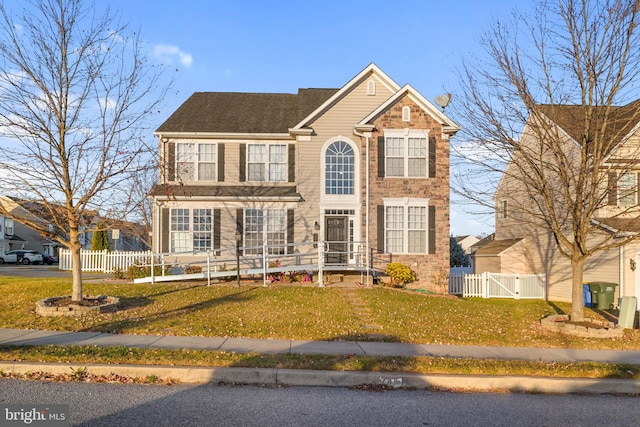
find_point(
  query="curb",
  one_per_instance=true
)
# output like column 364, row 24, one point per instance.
column 311, row 378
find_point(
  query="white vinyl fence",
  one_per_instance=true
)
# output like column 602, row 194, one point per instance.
column 496, row 285
column 104, row 261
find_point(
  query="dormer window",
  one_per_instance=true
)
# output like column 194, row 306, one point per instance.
column 371, row 87
column 406, row 114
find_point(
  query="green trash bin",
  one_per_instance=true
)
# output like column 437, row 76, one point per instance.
column 603, row 294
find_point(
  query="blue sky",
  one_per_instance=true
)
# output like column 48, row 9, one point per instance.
column 280, row 46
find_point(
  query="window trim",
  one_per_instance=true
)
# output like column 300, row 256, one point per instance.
column 352, row 181
column 407, row 203
column 627, row 191
column 195, row 161
column 190, row 231
column 407, row 134
column 264, row 215
column 371, row 87
column 266, row 162
column 406, row 113
column 503, row 209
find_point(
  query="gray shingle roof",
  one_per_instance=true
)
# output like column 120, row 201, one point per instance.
column 619, row 120
column 236, row 112
column 496, row 247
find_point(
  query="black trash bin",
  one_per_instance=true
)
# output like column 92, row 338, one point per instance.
column 602, row 294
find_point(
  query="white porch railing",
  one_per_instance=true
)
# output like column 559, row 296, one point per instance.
column 495, row 285
column 272, row 262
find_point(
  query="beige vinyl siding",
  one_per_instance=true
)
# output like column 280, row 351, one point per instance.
column 489, row 263
column 340, row 119
column 544, row 258
column 513, row 260
column 629, row 150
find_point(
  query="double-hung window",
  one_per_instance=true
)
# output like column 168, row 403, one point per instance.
column 502, row 209
column 405, row 226
column 207, row 162
column 8, row 227
column 191, row 230
column 406, row 154
column 202, row 228
column 185, row 161
column 628, row 189
column 267, row 162
column 265, row 227
column 196, row 162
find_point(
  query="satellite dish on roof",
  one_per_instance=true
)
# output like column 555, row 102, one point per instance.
column 443, row 100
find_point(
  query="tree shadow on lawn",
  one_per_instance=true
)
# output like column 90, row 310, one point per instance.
column 608, row 315
column 119, row 325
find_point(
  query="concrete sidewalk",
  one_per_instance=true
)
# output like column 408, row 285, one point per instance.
column 18, row 337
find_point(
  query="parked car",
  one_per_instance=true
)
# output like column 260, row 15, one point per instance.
column 21, row 256
column 49, row 259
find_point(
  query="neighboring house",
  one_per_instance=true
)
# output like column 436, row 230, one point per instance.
column 9, row 238
column 466, row 242
column 522, row 247
column 131, row 235
column 365, row 165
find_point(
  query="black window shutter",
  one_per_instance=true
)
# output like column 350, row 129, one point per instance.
column 165, row 228
column 292, row 163
column 612, row 186
column 290, row 226
column 380, row 227
column 216, row 229
column 638, row 188
column 220, row 162
column 432, row 229
column 432, row 157
column 239, row 224
column 171, row 161
column 243, row 163
column 381, row 153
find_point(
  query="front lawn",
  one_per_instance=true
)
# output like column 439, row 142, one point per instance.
column 289, row 312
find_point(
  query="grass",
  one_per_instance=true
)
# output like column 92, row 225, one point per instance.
column 292, row 312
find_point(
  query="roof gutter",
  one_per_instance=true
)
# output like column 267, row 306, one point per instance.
column 222, row 135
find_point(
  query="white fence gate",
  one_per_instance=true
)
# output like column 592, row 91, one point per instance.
column 496, row 285
column 103, row 261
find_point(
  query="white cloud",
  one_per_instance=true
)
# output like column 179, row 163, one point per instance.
column 168, row 53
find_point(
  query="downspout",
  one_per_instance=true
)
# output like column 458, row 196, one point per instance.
column 366, row 136
column 621, row 270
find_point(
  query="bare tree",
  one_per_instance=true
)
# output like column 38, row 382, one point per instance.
column 77, row 95
column 549, row 126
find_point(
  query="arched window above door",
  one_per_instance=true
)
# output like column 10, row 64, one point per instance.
column 339, row 168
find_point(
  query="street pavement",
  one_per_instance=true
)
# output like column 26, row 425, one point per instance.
column 275, row 376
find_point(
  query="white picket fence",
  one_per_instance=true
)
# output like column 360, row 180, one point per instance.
column 496, row 285
column 104, row 261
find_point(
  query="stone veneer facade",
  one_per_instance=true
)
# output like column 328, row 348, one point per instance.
column 431, row 269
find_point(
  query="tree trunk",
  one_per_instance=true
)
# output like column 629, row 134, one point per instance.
column 76, row 266
column 577, row 305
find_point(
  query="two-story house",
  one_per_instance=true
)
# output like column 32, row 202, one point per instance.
column 9, row 239
column 358, row 169
column 523, row 242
